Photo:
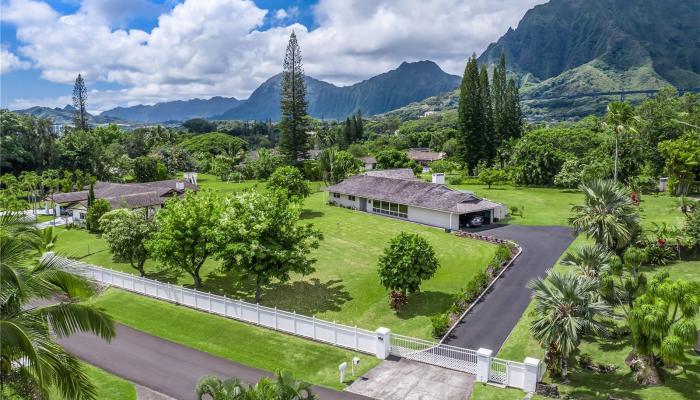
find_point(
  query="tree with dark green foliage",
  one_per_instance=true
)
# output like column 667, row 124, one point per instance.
column 406, row 263
column 260, row 236
column 80, row 114
column 392, row 159
column 199, row 125
column 186, row 233
column 499, row 100
column 126, row 233
column 489, row 139
column 213, row 144
column 294, row 143
column 291, row 181
column 472, row 135
column 149, row 169
column 513, row 117
column 91, row 194
column 336, row 165
column 92, row 219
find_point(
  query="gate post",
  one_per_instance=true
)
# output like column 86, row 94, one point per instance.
column 532, row 374
column 383, row 345
column 483, row 364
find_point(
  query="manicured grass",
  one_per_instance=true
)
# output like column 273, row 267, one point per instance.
column 109, row 387
column 585, row 384
column 483, row 391
column 551, row 206
column 257, row 347
column 44, row 218
column 345, row 286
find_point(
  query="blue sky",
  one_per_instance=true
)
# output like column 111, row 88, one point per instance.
column 145, row 51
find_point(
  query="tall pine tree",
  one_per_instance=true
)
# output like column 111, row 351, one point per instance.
column 80, row 115
column 294, row 142
column 360, row 133
column 499, row 99
column 484, row 87
column 471, row 116
column 513, row 116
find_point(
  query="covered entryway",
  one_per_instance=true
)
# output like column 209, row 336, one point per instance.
column 465, row 219
column 363, row 204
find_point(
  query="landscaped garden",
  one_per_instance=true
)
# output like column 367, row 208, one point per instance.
column 345, row 286
column 109, row 387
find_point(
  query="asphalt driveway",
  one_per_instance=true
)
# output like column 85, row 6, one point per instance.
column 164, row 366
column 490, row 321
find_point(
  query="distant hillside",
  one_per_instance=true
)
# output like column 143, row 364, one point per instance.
column 63, row 115
column 180, row 110
column 573, row 46
column 408, row 83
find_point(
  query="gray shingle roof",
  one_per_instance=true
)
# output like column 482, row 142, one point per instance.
column 421, row 154
column 397, row 173
column 415, row 193
column 133, row 194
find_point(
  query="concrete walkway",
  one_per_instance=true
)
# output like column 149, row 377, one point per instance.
column 167, row 367
column 399, row 379
column 490, row 321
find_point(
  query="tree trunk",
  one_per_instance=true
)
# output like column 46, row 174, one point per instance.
column 139, row 267
column 197, row 280
column 564, row 369
column 257, row 289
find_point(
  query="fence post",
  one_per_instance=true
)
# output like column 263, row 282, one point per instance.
column 335, row 333
column 383, row 344
column 313, row 323
column 167, row 290
column 295, row 321
column 209, row 301
column 182, row 294
column 357, row 339
column 532, row 372
column 276, row 324
column 225, row 305
column 483, row 364
column 257, row 308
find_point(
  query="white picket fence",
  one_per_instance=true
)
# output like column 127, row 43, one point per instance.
column 350, row 337
column 505, row 372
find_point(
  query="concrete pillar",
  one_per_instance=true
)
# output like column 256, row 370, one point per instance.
column 532, row 374
column 483, row 364
column 383, row 343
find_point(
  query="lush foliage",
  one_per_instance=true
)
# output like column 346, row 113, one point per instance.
column 392, row 158
column 126, row 233
column 407, row 261
column 96, row 210
column 38, row 302
column 336, row 165
column 682, row 161
column 282, row 387
column 149, row 169
column 294, row 142
column 186, row 233
column 291, row 181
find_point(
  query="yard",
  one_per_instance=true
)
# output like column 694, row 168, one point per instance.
column 684, row 384
column 345, row 286
column 552, row 206
column 109, row 387
column 256, row 347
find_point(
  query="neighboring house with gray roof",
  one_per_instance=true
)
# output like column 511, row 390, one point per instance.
column 148, row 196
column 424, row 156
column 397, row 194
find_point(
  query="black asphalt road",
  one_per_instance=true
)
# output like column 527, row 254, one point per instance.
column 490, row 321
column 164, row 366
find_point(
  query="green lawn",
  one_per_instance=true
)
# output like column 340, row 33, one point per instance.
column 345, row 286
column 588, row 385
column 257, row 347
column 551, row 206
column 44, row 218
column 109, row 387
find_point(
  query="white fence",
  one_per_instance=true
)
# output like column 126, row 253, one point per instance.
column 442, row 355
column 509, row 373
column 339, row 335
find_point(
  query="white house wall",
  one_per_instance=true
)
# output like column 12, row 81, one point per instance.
column 344, row 201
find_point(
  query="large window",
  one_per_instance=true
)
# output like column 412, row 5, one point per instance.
column 393, row 209
column 351, row 198
column 336, row 195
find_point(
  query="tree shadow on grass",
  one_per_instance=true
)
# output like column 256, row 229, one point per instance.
column 426, row 304
column 306, row 297
column 168, row 276
column 310, row 214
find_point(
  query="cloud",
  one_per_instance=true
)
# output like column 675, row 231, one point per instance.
column 218, row 47
column 10, row 62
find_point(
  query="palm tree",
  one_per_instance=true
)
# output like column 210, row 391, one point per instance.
column 607, row 214
column 283, row 387
column 31, row 316
column 619, row 117
column 566, row 307
column 589, row 260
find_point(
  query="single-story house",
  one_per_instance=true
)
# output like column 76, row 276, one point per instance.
column 369, row 163
column 399, row 194
column 424, row 156
column 148, row 196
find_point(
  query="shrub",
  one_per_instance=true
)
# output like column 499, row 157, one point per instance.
column 476, row 285
column 397, row 299
column 98, row 208
column 456, row 179
column 502, row 253
column 658, row 254
column 441, row 323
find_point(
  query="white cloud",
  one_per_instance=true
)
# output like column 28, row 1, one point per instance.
column 10, row 62
column 216, row 47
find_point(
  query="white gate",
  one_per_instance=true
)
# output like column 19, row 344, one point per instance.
column 509, row 373
column 433, row 353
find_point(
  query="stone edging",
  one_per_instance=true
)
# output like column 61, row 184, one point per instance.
column 489, row 239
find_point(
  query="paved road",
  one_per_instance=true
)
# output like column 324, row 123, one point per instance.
column 491, row 320
column 164, row 366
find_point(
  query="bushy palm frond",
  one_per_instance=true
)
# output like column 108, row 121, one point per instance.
column 589, row 260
